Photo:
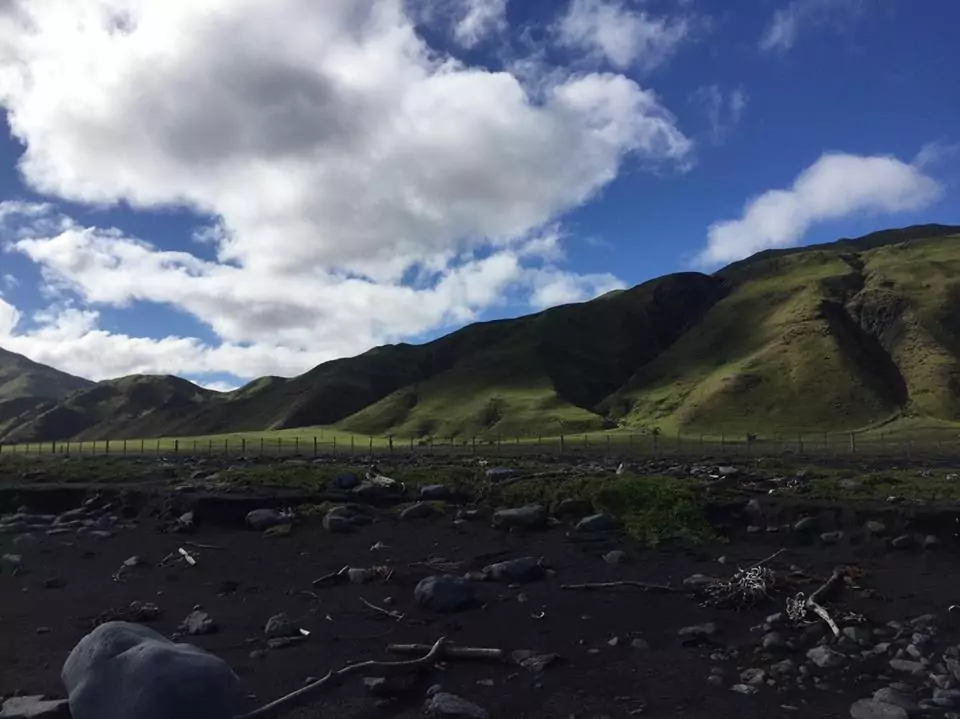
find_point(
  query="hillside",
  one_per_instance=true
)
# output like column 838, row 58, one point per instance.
column 26, row 385
column 841, row 336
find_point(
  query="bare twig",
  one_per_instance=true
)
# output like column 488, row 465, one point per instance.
column 764, row 561
column 332, row 578
column 332, row 678
column 198, row 545
column 646, row 586
column 451, row 651
column 385, row 612
column 798, row 607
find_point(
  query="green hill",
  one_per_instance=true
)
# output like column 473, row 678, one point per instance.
column 841, row 336
column 26, row 386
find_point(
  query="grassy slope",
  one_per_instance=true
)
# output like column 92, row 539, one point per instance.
column 823, row 339
column 26, row 386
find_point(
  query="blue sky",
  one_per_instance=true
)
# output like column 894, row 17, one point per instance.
column 222, row 190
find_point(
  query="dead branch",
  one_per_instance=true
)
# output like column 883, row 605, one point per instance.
column 198, row 545
column 333, row 578
column 451, row 651
column 333, row 678
column 764, row 561
column 385, row 612
column 828, row 586
column 797, row 607
column 645, row 586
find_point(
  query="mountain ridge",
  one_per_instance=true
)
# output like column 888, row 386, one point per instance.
column 839, row 335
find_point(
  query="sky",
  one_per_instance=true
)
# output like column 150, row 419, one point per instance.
column 225, row 189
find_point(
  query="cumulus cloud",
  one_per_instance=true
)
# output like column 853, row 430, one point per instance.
column 835, row 186
column 9, row 318
column 723, row 110
column 624, row 37
column 787, row 22
column 335, row 153
column 478, row 19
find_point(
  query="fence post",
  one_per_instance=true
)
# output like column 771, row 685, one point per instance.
column 53, row 446
column 194, row 448
column 561, row 443
column 853, row 443
column 279, row 445
column 176, row 446
column 226, row 445
column 411, row 442
column 296, row 444
column 334, row 444
column 723, row 442
column 371, row 444
column 314, row 445
column 351, row 445
column 800, row 444
column 209, row 447
column 243, row 446
column 143, row 446
column 261, row 446
column 158, row 447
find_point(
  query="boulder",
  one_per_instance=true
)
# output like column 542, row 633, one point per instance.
column 35, row 707
column 597, row 523
column 420, row 510
column 524, row 569
column 444, row 593
column 435, row 492
column 450, row 706
column 261, row 519
column 532, row 516
column 127, row 671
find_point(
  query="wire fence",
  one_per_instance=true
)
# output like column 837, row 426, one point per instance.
column 937, row 443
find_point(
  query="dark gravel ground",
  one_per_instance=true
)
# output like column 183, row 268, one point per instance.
column 38, row 626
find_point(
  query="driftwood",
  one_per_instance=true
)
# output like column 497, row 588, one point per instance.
column 813, row 601
column 333, row 578
column 451, row 651
column 385, row 612
column 645, row 586
column 333, row 678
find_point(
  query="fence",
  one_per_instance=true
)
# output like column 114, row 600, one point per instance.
column 938, row 443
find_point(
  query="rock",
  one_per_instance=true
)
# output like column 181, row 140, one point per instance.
column 953, row 666
column 185, row 522
column 640, row 644
column 774, row 641
column 947, row 698
column 279, row 625
column 875, row 527
column 25, row 540
column 378, row 488
column 338, row 520
column 261, row 519
column 825, row 657
column 831, row 537
column 524, row 569
column 744, row 689
column 100, row 533
column 929, row 542
column 127, row 671
column 850, row 484
column 615, row 556
column 698, row 630
column 35, row 707
column 444, row 705
column 283, row 642
column 755, row 677
column 888, row 695
column 532, row 516
column 359, row 575
column 787, row 666
column 905, row 665
column 859, row 635
column 143, row 611
column 532, row 661
column 697, row 581
column 497, row 474
column 435, row 492
column 420, row 510
column 728, row 471
column 198, row 622
column 597, row 523
column 805, row 525
column 872, row 709
column 904, row 541
column 444, row 593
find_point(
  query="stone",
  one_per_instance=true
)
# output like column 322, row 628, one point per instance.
column 279, row 625
column 825, row 657
column 573, row 508
column 127, row 671
column 531, row 516
column 753, row 676
column 379, row 488
column 35, row 707
column 346, row 481
column 420, row 510
column 444, row 705
column 947, row 698
column 697, row 581
column 338, row 521
column 360, row 575
column 889, row 695
column 872, row 709
column 906, row 665
column 497, row 474
column 198, row 622
column 142, row 611
column 15, row 559
column 444, row 593
column 524, row 569
column 597, row 523
column 931, row 541
column 261, row 519
column 533, row 661
column 773, row 641
column 698, row 630
column 953, row 666
column 831, row 537
column 435, row 492
column 859, row 635
column 875, row 527
column 787, row 666
column 744, row 689
column 640, row 644
column 904, row 541
column 25, row 540
column 615, row 556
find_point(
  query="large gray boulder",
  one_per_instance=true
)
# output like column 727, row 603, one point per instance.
column 127, row 671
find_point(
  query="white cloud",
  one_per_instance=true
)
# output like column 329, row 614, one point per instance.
column 935, row 153
column 782, row 31
column 9, row 317
column 623, row 37
column 723, row 111
column 559, row 288
column 334, row 151
column 478, row 19
column 835, row 186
